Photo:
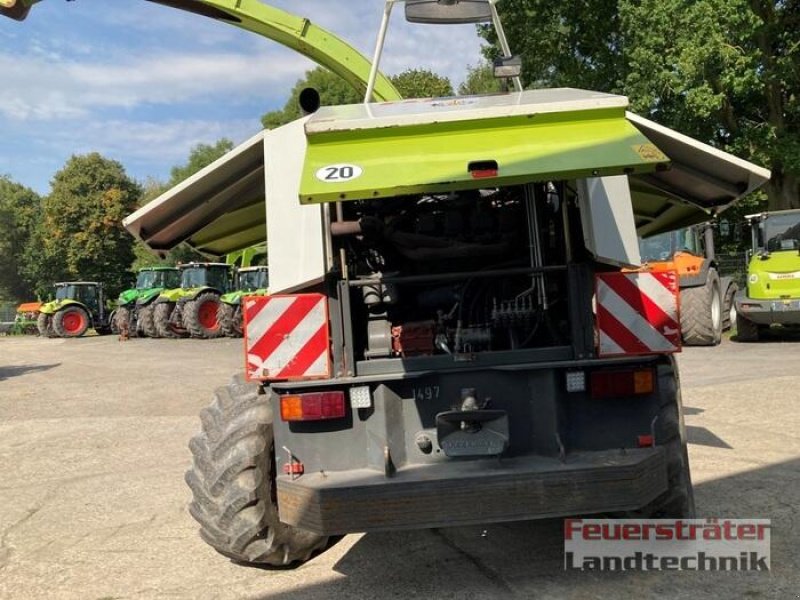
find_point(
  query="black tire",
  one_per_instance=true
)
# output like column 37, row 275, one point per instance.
column 670, row 432
column 232, row 481
column 63, row 319
column 161, row 320
column 146, row 322
column 44, row 324
column 728, row 307
column 112, row 322
column 123, row 321
column 746, row 330
column 230, row 320
column 701, row 313
column 199, row 313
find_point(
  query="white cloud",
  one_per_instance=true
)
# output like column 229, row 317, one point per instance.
column 163, row 143
column 37, row 88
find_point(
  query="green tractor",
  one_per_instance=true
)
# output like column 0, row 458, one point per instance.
column 191, row 310
column 79, row 306
column 249, row 281
column 135, row 306
column 773, row 275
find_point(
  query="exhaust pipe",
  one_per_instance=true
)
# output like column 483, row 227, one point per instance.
column 309, row 101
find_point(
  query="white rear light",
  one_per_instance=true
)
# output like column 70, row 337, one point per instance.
column 576, row 381
column 360, row 397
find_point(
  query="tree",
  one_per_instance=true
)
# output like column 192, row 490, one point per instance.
column 335, row 91
column 480, row 80
column 729, row 73
column 724, row 71
column 563, row 43
column 19, row 215
column 421, row 83
column 81, row 234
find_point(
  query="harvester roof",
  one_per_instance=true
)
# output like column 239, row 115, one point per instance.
column 675, row 181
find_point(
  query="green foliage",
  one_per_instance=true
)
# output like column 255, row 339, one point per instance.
column 421, row 83
column 480, row 80
column 563, row 43
column 19, row 216
column 81, row 235
column 726, row 72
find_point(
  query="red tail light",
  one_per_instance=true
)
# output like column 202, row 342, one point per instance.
column 616, row 384
column 317, row 406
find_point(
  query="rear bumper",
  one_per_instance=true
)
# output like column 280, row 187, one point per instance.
column 473, row 492
column 767, row 312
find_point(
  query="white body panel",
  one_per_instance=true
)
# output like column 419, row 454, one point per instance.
column 609, row 230
column 294, row 232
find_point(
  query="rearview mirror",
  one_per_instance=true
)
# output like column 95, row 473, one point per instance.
column 507, row 67
column 451, row 12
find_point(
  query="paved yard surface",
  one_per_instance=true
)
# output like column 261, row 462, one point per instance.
column 93, row 437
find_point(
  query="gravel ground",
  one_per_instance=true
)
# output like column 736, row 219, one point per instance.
column 93, row 437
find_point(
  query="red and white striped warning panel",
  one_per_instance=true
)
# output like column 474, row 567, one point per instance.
column 286, row 337
column 637, row 313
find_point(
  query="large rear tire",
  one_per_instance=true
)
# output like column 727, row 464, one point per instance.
column 44, row 324
column 146, row 323
column 200, row 316
column 746, row 330
column 670, row 433
column 728, row 307
column 71, row 322
column 232, row 480
column 112, row 322
column 701, row 313
column 161, row 320
column 123, row 321
column 230, row 319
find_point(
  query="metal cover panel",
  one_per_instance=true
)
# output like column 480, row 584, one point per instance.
column 436, row 157
column 295, row 233
column 608, row 223
column 212, row 208
column 703, row 176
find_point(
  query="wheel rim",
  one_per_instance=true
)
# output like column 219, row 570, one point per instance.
column 716, row 311
column 207, row 315
column 732, row 315
column 73, row 322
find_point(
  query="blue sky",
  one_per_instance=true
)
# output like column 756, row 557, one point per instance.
column 142, row 84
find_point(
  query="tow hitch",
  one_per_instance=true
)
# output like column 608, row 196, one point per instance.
column 472, row 430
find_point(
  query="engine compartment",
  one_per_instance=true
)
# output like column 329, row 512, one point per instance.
column 466, row 272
